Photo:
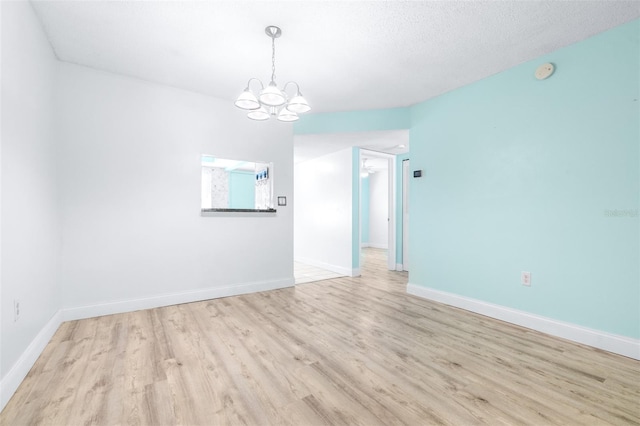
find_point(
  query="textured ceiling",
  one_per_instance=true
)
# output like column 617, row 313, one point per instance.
column 346, row 55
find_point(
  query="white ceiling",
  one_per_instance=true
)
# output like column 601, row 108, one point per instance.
column 346, row 55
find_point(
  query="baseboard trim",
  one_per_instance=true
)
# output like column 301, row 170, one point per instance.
column 399, row 267
column 378, row 246
column 10, row 382
column 349, row 272
column 621, row 345
column 117, row 307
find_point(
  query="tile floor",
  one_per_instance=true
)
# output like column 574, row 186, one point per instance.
column 304, row 273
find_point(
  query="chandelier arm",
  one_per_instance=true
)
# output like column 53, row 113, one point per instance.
column 256, row 79
column 284, row 88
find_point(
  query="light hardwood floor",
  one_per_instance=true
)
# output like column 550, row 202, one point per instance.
column 356, row 351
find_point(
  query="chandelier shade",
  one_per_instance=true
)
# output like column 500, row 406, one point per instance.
column 272, row 101
column 287, row 115
column 298, row 104
column 247, row 100
column 272, row 96
column 259, row 114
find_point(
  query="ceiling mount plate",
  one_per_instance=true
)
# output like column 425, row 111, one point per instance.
column 273, row 31
column 544, row 71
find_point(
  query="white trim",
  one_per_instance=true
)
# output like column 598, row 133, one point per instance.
column 393, row 196
column 379, row 246
column 256, row 213
column 117, row 307
column 350, row 272
column 10, row 382
column 622, row 345
column 404, row 212
column 399, row 267
column 353, row 243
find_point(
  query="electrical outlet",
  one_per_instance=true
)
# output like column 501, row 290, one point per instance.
column 525, row 278
column 16, row 310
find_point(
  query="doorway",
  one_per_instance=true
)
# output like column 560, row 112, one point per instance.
column 377, row 201
column 327, row 222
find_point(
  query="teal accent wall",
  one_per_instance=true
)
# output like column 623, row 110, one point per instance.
column 355, row 207
column 354, row 121
column 364, row 212
column 399, row 225
column 539, row 176
column 242, row 190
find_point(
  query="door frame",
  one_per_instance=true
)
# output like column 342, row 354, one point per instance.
column 391, row 238
column 406, row 166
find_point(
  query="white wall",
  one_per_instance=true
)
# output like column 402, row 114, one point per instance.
column 323, row 217
column 379, row 209
column 30, row 224
column 130, row 194
column 100, row 196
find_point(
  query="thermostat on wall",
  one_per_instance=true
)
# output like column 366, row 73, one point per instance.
column 544, row 71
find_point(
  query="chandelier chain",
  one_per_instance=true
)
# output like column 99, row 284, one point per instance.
column 273, row 59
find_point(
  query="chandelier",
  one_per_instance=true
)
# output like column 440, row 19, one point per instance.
column 272, row 102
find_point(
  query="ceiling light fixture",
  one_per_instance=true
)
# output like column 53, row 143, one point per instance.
column 272, row 102
column 366, row 170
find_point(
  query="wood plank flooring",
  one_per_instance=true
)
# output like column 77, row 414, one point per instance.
column 346, row 351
